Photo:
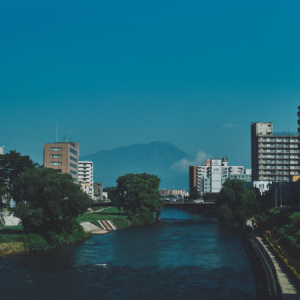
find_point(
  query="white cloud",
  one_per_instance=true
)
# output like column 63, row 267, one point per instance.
column 229, row 125
column 183, row 164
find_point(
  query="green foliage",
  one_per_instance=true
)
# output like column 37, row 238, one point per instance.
column 53, row 201
column 111, row 192
column 209, row 196
column 235, row 204
column 35, row 242
column 119, row 217
column 12, row 166
column 284, row 225
column 138, row 195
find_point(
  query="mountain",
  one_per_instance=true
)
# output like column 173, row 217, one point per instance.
column 154, row 158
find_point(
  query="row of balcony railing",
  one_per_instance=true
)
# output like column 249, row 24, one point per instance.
column 278, row 151
column 290, row 157
column 275, row 166
column 268, row 140
column 262, row 145
column 279, row 162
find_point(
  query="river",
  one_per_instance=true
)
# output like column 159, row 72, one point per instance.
column 185, row 256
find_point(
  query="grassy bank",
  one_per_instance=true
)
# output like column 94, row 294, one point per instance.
column 118, row 217
column 281, row 229
column 13, row 240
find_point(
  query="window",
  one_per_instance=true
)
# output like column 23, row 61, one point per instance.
column 56, row 148
column 58, row 170
column 56, row 156
column 55, row 163
column 73, row 172
column 73, row 158
column 73, row 166
column 73, row 151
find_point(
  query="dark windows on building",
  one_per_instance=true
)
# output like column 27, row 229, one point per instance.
column 56, row 148
column 55, row 163
column 73, row 151
column 56, row 156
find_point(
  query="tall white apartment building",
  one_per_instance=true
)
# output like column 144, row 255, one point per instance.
column 85, row 177
column 1, row 150
column 275, row 156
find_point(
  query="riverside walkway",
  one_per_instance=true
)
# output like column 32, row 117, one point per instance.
column 288, row 288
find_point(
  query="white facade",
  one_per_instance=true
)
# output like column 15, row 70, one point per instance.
column 105, row 196
column 216, row 175
column 211, row 177
column 248, row 171
column 274, row 155
column 85, row 177
column 1, row 150
column 262, row 185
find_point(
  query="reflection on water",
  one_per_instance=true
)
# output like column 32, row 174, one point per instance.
column 186, row 256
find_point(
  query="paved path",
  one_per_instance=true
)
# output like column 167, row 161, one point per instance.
column 289, row 290
column 91, row 228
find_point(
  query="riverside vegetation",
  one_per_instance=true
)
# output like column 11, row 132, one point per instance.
column 235, row 204
column 51, row 206
column 279, row 226
column 14, row 239
column 281, row 229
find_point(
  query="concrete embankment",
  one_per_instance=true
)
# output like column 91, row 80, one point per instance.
column 273, row 281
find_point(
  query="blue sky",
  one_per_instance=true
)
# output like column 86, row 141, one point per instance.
column 193, row 73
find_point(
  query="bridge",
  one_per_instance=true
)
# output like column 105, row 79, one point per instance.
column 207, row 208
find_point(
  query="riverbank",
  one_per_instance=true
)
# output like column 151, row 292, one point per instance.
column 13, row 239
column 272, row 275
column 163, row 261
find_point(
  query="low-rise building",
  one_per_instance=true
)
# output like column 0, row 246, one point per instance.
column 182, row 193
column 98, row 190
column 263, row 186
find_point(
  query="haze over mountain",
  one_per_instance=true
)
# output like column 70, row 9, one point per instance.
column 159, row 158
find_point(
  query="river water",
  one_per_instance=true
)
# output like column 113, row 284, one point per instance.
column 186, row 256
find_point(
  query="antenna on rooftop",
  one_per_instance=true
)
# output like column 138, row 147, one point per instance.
column 70, row 134
column 65, row 138
column 56, row 132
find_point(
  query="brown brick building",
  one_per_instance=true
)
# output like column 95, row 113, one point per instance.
column 63, row 157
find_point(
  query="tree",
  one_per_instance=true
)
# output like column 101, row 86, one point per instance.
column 138, row 195
column 48, row 201
column 111, row 192
column 235, row 204
column 12, row 166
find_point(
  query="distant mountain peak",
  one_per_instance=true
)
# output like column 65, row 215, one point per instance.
column 155, row 157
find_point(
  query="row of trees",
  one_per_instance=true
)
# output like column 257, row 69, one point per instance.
column 47, row 202
column 235, row 204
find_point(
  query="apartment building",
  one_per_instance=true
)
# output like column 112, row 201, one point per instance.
column 85, row 177
column 193, row 182
column 98, row 191
column 209, row 178
column 182, row 193
column 62, row 157
column 1, row 150
column 274, row 155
